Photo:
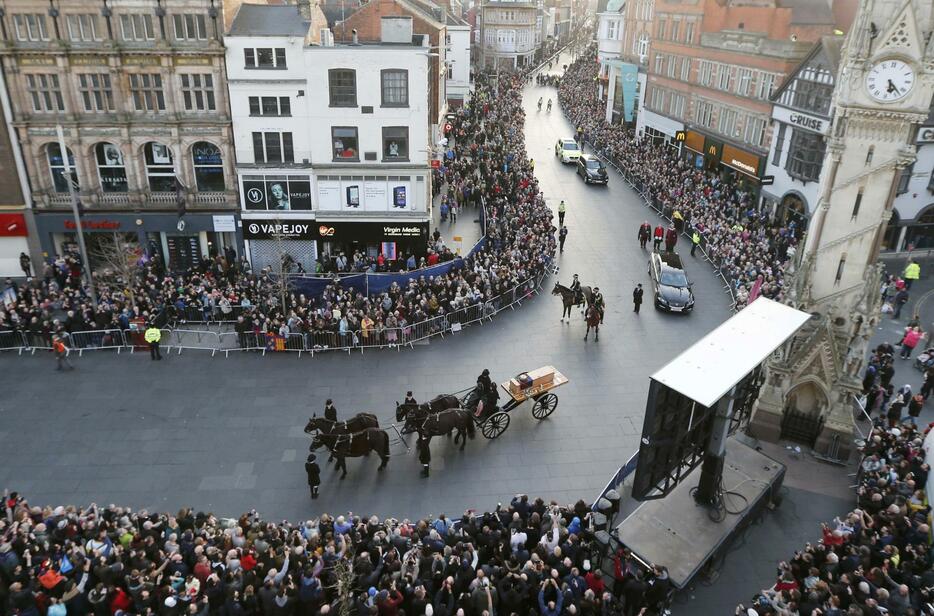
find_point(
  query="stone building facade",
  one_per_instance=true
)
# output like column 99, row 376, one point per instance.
column 139, row 90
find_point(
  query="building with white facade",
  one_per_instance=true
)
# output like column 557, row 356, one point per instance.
column 510, row 33
column 912, row 224
column 458, row 60
column 801, row 120
column 609, row 32
column 331, row 141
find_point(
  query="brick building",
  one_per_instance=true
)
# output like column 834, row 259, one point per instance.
column 713, row 66
column 139, row 92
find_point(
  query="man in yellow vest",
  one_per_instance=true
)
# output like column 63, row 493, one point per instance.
column 561, row 209
column 695, row 241
column 153, row 335
column 912, row 273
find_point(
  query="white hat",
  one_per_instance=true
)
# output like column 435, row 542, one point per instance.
column 170, row 602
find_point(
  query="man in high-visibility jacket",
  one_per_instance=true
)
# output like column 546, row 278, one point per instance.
column 912, row 273
column 153, row 335
column 695, row 241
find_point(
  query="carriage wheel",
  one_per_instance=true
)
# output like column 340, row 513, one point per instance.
column 495, row 425
column 544, row 406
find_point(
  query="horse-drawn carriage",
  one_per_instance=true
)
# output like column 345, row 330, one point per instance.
column 481, row 408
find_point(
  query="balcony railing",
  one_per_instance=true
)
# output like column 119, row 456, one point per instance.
column 131, row 200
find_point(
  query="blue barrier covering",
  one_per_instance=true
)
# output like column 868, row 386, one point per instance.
column 624, row 471
column 369, row 284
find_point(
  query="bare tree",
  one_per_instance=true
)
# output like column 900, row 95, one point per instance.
column 119, row 260
column 282, row 268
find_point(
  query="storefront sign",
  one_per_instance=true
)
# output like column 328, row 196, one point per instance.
column 269, row 229
column 36, row 61
column 694, row 141
column 370, row 231
column 375, row 194
column 803, row 120
column 225, row 224
column 13, row 225
column 712, row 149
column 749, row 164
column 192, row 61
column 141, row 61
column 276, row 192
column 926, row 135
column 94, row 225
column 87, row 60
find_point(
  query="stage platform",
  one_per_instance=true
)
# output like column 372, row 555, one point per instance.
column 676, row 532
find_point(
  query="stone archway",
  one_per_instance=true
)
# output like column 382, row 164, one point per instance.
column 803, row 415
column 794, row 208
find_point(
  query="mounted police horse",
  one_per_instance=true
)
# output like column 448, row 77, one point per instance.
column 569, row 300
column 427, row 423
column 438, row 404
column 354, row 445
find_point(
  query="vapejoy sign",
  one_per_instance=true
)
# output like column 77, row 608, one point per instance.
column 265, row 230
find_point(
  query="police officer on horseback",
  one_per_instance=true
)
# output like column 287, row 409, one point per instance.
column 576, row 288
column 598, row 302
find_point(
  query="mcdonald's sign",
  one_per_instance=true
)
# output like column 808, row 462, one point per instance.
column 680, row 135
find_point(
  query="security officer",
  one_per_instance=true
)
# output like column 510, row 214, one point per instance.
column 424, row 453
column 912, row 273
column 695, row 241
column 562, row 235
column 153, row 335
column 314, row 474
column 561, row 209
column 598, row 302
column 330, row 411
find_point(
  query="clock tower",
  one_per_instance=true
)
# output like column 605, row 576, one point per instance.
column 883, row 93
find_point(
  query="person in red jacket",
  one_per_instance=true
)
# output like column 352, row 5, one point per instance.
column 671, row 238
column 121, row 601
column 388, row 602
column 595, row 583
column 658, row 236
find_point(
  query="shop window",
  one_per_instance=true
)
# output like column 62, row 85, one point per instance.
column 160, row 167
column 345, row 144
column 920, row 234
column 111, row 169
column 209, row 167
column 57, row 168
column 395, row 143
column 903, row 179
column 805, row 155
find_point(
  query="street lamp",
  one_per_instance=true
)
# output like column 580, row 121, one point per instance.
column 79, row 231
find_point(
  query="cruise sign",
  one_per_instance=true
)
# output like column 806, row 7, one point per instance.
column 810, row 122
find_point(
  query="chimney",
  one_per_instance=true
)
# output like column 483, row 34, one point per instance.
column 304, row 7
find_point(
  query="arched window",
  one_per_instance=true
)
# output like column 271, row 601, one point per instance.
column 160, row 168
column 57, row 168
column 111, row 168
column 209, row 167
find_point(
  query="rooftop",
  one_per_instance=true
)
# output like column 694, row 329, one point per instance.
column 269, row 20
column 808, row 12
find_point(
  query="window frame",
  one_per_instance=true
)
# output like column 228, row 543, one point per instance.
column 81, row 21
column 189, row 22
column 383, row 74
column 195, row 166
column 285, row 145
column 45, row 90
column 192, row 92
column 142, row 19
column 72, row 164
column 22, row 25
column 795, row 165
column 98, row 165
column 151, row 169
column 251, row 59
column 356, row 137
column 93, row 93
column 143, row 92
column 331, row 86
column 399, row 159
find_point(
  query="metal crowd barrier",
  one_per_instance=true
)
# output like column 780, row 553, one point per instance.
column 13, row 341
column 96, row 340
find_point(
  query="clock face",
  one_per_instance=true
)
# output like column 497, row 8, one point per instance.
column 890, row 80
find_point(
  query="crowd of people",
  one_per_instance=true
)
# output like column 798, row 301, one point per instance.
column 487, row 166
column 876, row 560
column 528, row 559
column 744, row 242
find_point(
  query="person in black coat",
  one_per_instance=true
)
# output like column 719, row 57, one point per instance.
column 424, row 453
column 637, row 298
column 314, row 474
column 330, row 411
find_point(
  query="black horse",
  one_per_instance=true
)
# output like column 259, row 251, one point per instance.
column 569, row 300
column 429, row 424
column 355, row 445
column 360, row 421
column 438, row 404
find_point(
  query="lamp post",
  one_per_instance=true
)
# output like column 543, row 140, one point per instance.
column 79, row 231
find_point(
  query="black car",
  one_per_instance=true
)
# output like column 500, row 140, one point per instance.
column 670, row 284
column 592, row 169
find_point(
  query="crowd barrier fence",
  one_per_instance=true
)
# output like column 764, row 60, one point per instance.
column 225, row 342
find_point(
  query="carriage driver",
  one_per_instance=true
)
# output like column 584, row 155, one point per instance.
column 576, row 288
column 486, row 392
